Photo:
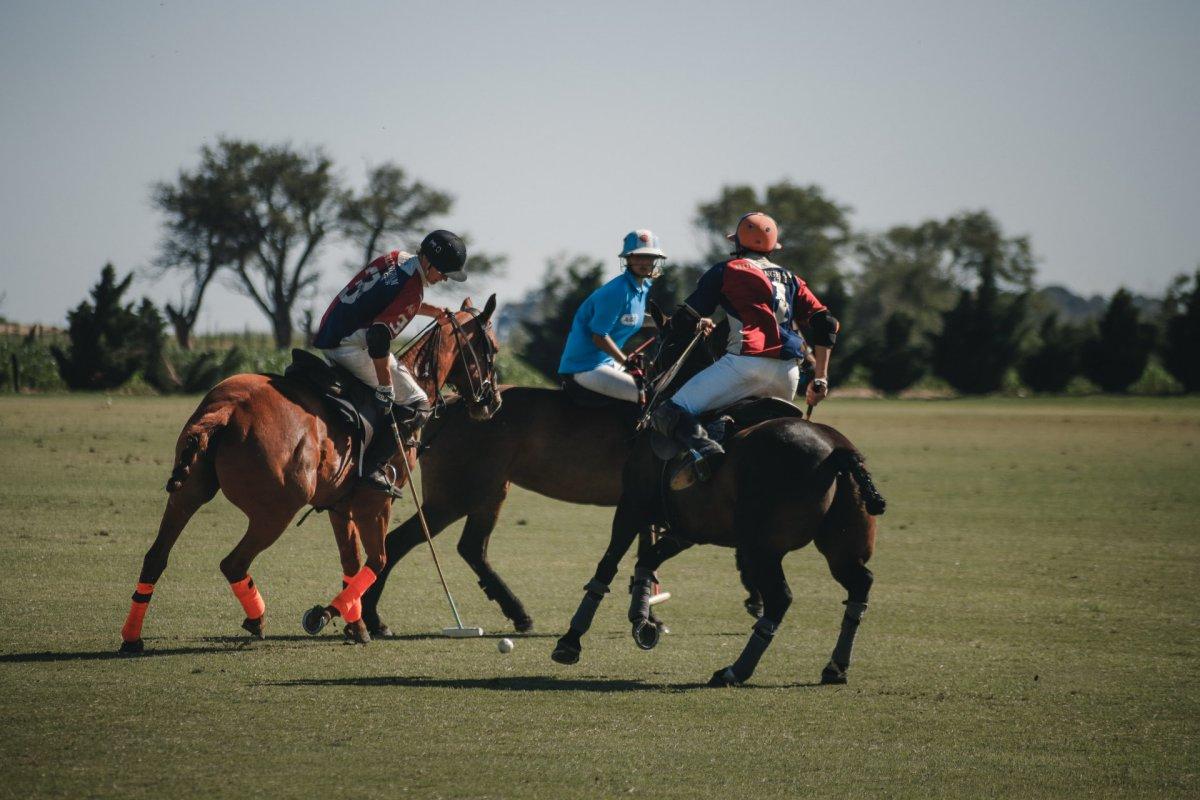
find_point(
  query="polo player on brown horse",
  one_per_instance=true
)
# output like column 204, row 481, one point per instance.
column 269, row 444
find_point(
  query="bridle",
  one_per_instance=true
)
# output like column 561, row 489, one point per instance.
column 481, row 382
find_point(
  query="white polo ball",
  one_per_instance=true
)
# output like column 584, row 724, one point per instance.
column 504, row 645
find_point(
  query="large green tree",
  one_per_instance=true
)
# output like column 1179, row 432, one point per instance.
column 1051, row 365
column 207, row 226
column 390, row 207
column 980, row 337
column 1116, row 356
column 813, row 228
column 108, row 339
column 897, row 358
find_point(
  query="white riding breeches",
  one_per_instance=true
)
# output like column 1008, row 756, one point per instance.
column 609, row 380
column 734, row 378
column 352, row 354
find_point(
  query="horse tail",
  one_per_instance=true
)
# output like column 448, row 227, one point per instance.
column 197, row 440
column 850, row 462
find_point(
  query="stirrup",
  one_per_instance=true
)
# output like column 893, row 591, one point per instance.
column 689, row 471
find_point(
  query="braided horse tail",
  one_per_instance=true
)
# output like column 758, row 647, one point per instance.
column 196, row 440
column 872, row 500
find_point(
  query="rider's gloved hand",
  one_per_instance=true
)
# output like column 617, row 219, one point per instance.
column 385, row 396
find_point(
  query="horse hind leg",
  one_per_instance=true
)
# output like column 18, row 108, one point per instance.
column 766, row 573
column 847, row 540
column 181, row 506
column 263, row 530
column 472, row 546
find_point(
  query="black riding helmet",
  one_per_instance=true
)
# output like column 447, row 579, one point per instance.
column 447, row 252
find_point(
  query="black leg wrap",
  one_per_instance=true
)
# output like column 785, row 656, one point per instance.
column 640, row 587
column 845, row 642
column 593, row 593
column 759, row 641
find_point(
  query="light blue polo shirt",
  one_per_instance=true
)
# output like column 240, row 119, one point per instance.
column 617, row 309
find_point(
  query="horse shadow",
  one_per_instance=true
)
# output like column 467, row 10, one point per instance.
column 514, row 683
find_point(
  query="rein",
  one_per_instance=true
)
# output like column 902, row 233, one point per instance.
column 664, row 380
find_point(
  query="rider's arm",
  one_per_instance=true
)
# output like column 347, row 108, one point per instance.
column 707, row 297
column 427, row 310
column 379, row 342
column 607, row 345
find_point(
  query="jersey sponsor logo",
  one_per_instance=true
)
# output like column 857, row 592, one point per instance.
column 629, row 319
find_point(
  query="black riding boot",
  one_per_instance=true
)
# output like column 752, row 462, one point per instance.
column 703, row 453
column 409, row 419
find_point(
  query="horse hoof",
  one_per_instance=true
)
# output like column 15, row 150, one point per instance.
column 723, row 678
column 523, row 625
column 315, row 619
column 356, row 633
column 254, row 627
column 833, row 675
column 565, row 652
column 134, row 648
column 645, row 634
column 378, row 629
column 658, row 623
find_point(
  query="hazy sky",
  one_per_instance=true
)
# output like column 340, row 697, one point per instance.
column 559, row 127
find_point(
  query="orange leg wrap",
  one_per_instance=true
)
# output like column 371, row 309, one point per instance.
column 247, row 594
column 353, row 593
column 354, row 613
column 131, row 631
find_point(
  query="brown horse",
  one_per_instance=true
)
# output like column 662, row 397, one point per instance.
column 267, row 443
column 783, row 482
column 541, row 440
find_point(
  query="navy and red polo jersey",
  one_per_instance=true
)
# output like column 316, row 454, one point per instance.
column 764, row 302
column 389, row 290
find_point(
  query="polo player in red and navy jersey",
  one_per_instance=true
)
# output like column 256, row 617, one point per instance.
column 766, row 306
column 357, row 330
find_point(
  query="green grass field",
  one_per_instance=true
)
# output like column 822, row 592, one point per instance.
column 1033, row 632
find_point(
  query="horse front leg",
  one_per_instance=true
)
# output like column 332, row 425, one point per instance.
column 345, row 533
column 625, row 527
column 646, row 629
column 369, row 512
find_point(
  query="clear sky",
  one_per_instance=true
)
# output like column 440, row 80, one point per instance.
column 559, row 127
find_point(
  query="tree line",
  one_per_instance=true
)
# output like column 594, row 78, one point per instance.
column 951, row 298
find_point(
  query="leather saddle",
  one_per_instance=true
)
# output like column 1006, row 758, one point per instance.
column 345, row 397
column 723, row 423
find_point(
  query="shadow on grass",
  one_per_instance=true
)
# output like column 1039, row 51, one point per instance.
column 527, row 683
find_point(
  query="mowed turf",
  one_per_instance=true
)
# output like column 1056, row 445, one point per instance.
column 1033, row 632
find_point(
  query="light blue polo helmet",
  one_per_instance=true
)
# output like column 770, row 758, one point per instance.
column 643, row 242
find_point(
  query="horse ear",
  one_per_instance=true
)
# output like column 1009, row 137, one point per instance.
column 466, row 304
column 488, row 309
column 656, row 313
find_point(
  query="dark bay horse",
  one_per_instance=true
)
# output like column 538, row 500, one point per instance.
column 541, row 440
column 266, row 442
column 783, row 483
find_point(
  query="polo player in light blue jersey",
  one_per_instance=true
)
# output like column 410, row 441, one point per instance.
column 593, row 357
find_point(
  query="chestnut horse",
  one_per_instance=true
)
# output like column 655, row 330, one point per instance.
column 267, row 443
column 782, row 483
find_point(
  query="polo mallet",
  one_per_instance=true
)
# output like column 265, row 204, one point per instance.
column 459, row 632
column 657, row 594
